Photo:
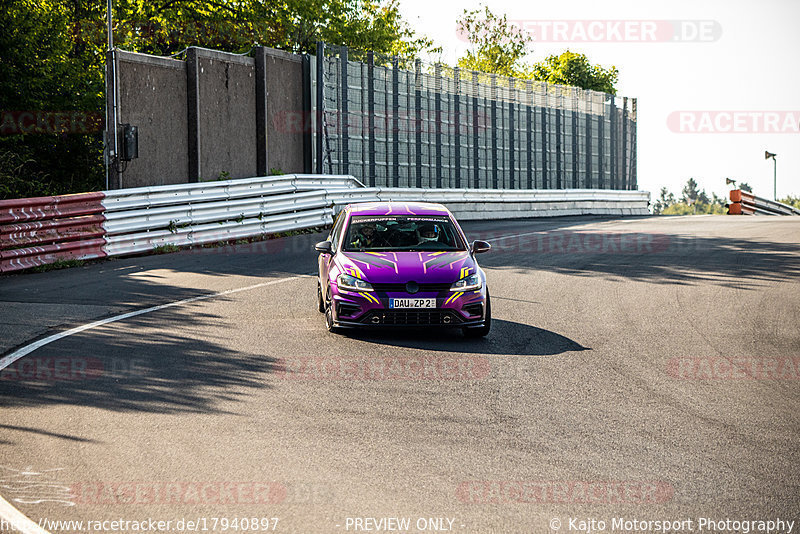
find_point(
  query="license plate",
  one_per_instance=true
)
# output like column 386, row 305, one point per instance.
column 412, row 303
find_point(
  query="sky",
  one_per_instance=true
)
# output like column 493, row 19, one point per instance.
column 717, row 81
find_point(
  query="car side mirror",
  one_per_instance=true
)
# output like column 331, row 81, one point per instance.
column 480, row 246
column 323, row 247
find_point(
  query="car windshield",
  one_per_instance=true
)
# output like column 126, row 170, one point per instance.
column 402, row 233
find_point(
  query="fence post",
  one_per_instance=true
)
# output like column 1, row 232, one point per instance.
column 624, row 143
column 559, row 140
column 193, row 106
column 395, row 121
column 345, row 119
column 457, row 126
column 320, row 59
column 545, row 155
column 601, row 149
column 418, row 117
column 613, row 148
column 262, row 164
column 575, row 142
column 475, row 153
column 634, row 185
column 588, row 122
column 307, row 113
column 371, row 116
column 493, row 113
column 437, row 125
column 529, row 130
column 511, row 137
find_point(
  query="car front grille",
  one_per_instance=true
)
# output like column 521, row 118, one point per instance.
column 401, row 288
column 411, row 317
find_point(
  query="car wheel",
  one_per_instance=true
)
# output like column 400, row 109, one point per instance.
column 329, row 316
column 482, row 331
column 320, row 300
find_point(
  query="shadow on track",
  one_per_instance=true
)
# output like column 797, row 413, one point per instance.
column 506, row 338
column 132, row 366
column 654, row 257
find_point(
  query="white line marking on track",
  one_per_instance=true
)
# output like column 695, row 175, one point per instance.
column 27, row 349
column 7, row 511
column 17, row 520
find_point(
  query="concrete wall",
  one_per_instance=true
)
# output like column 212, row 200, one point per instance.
column 227, row 115
column 285, row 112
column 152, row 95
column 214, row 114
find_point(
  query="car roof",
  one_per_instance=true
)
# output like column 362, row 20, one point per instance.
column 398, row 208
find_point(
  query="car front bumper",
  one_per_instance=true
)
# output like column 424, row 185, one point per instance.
column 371, row 309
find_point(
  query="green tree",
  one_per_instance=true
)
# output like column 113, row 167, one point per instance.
column 52, row 58
column 291, row 25
column 744, row 186
column 791, row 201
column 497, row 46
column 44, row 69
column 665, row 200
column 693, row 201
column 571, row 68
column 679, row 209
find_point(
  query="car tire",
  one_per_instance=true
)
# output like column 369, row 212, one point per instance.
column 481, row 331
column 320, row 300
column 329, row 325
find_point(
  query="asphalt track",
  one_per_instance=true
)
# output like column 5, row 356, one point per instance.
column 641, row 368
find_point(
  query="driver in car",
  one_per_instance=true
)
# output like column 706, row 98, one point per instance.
column 367, row 238
column 428, row 233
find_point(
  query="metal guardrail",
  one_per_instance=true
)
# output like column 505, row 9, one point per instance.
column 129, row 221
column 746, row 203
column 140, row 219
column 42, row 230
column 476, row 204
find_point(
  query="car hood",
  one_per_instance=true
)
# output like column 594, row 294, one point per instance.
column 422, row 267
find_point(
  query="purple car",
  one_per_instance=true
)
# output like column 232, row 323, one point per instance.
column 402, row 264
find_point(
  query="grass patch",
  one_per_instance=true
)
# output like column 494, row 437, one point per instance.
column 166, row 249
column 56, row 265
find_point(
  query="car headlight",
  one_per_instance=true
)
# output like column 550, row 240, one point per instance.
column 345, row 281
column 468, row 283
